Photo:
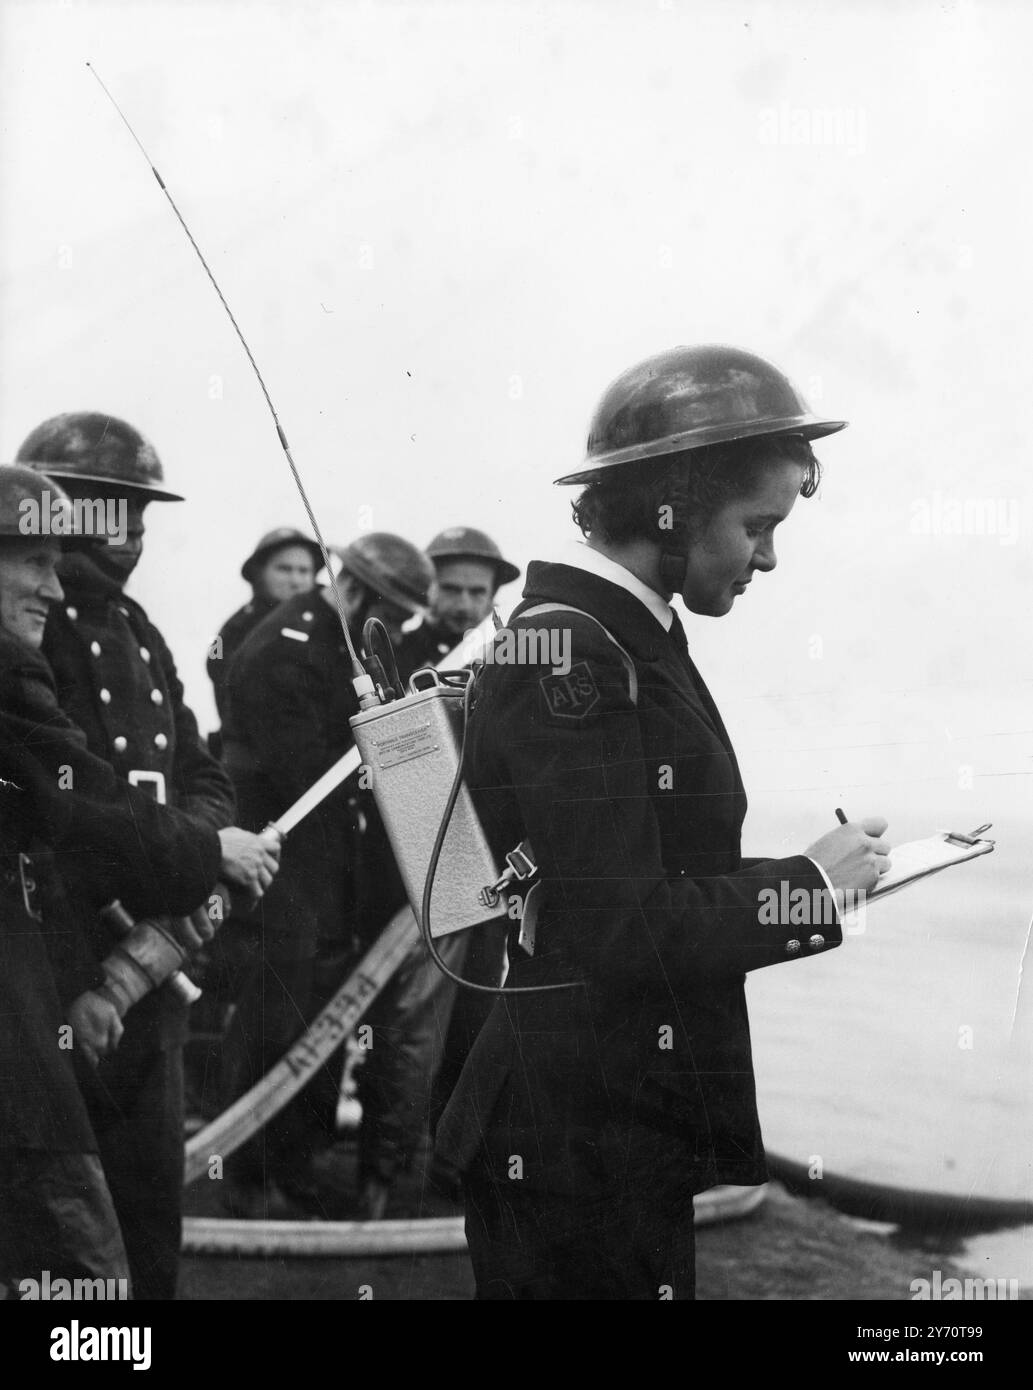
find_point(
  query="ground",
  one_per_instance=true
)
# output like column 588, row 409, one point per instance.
column 788, row 1249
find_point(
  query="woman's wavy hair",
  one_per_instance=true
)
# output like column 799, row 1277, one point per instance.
column 628, row 503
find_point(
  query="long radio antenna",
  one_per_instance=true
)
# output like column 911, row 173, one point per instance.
column 358, row 672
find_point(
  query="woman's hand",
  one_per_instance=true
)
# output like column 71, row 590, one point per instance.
column 853, row 855
column 249, row 861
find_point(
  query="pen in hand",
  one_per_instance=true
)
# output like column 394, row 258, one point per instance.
column 848, row 860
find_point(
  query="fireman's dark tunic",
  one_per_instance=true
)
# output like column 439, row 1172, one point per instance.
column 231, row 636
column 117, row 681
column 71, row 831
column 289, row 699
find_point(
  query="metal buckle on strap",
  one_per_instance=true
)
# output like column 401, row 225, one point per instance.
column 527, row 866
column 29, row 886
column 521, row 866
column 140, row 777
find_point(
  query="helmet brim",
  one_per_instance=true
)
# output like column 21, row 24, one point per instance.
column 505, row 572
column 387, row 587
column 257, row 559
column 62, row 475
column 804, row 427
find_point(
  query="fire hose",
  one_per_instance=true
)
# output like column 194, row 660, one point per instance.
column 328, row 1030
column 204, row 1235
column 325, row 1034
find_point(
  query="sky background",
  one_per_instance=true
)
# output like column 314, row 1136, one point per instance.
column 444, row 228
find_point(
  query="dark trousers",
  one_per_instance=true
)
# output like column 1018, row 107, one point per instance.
column 276, row 1004
column 135, row 1104
column 619, row 1240
column 409, row 1021
column 56, row 1214
column 482, row 965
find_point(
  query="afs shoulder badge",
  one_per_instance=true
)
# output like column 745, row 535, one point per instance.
column 571, row 696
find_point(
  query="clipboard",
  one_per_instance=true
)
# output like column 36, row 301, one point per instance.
column 917, row 859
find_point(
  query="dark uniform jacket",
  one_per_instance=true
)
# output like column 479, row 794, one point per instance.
column 423, row 645
column 289, row 701
column 70, row 829
column 231, row 635
column 40, row 1103
column 634, row 810
column 117, row 681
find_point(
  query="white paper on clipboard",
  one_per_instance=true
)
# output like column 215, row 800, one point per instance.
column 919, row 858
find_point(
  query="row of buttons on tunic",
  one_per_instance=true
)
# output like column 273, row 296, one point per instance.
column 157, row 698
column 120, row 744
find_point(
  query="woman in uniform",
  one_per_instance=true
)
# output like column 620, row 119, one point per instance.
column 588, row 1116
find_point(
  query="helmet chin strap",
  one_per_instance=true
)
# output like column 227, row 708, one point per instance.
column 674, row 538
column 673, row 567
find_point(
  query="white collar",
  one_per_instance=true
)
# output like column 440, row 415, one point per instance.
column 581, row 556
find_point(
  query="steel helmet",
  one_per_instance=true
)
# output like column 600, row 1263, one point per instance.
column 391, row 567
column 466, row 543
column 85, row 446
column 689, row 397
column 278, row 540
column 19, row 485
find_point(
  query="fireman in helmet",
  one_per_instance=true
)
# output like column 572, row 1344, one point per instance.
column 289, row 701
column 284, row 563
column 73, row 836
column 469, row 569
column 115, row 679
column 587, row 1117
